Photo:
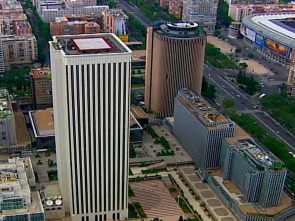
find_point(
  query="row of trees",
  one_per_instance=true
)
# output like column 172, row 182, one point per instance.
column 248, row 83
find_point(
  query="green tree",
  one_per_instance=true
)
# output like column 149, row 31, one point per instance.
column 238, row 50
column 112, row 4
column 228, row 103
column 216, row 33
column 222, row 13
column 243, row 65
column 251, row 56
column 181, row 218
column 208, row 90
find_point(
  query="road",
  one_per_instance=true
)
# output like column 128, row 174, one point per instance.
column 226, row 89
column 131, row 8
column 38, row 34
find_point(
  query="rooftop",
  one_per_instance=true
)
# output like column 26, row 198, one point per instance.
column 197, row 105
column 257, row 155
column 179, row 30
column 116, row 13
column 102, row 43
column 5, row 107
column 139, row 113
column 42, row 122
column 41, row 73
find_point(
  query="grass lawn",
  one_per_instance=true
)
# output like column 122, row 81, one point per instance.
column 131, row 212
column 140, row 210
column 137, row 85
column 153, row 171
column 183, row 205
column 282, row 109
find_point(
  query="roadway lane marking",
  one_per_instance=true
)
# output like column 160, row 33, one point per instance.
column 221, row 87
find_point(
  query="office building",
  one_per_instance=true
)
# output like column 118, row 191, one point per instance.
column 203, row 12
column 258, row 174
column 91, row 100
column 41, row 88
column 200, row 128
column 175, row 58
column 7, row 122
column 115, row 21
column 20, row 199
column 19, row 49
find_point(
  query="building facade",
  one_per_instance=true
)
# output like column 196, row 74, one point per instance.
column 91, row 100
column 259, row 175
column 74, row 28
column 202, row 12
column 238, row 12
column 19, row 198
column 41, row 88
column 175, row 8
column 200, row 128
column 7, row 122
column 291, row 75
column 19, row 49
column 175, row 58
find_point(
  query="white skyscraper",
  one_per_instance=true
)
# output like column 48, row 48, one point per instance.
column 91, row 96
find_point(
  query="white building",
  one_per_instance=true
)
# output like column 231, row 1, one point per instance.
column 91, row 96
column 238, row 12
column 203, row 12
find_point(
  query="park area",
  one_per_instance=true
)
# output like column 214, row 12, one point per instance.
column 255, row 68
column 224, row 46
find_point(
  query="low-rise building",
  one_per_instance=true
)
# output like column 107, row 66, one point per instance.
column 234, row 29
column 200, row 128
column 41, row 88
column 73, row 28
column 20, row 199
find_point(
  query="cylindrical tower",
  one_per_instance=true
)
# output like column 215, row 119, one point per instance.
column 175, row 58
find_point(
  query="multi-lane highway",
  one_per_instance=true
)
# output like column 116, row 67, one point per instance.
column 131, row 8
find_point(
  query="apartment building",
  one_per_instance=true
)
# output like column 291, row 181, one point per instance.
column 73, row 27
column 41, row 88
column 20, row 199
column 200, row 128
column 291, row 75
column 18, row 49
column 8, row 23
column 176, row 8
column 203, row 12
column 233, row 2
column 238, row 12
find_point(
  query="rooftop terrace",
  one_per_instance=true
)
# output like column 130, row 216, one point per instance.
column 197, row 105
column 89, row 44
column 257, row 155
column 41, row 73
column 5, row 107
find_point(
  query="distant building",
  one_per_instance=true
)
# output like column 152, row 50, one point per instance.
column 259, row 174
column 164, row 3
column 291, row 75
column 238, row 12
column 20, row 199
column 19, row 49
column 7, row 122
column 176, row 8
column 200, row 128
column 202, row 12
column 41, row 88
column 74, row 27
column 43, row 128
column 175, row 58
column 115, row 21
column 8, row 23
column 233, row 2
column 49, row 10
column 234, row 29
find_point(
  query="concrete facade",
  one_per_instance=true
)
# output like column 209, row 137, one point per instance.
column 91, row 100
column 175, row 58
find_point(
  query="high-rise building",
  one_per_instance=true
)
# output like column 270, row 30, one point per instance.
column 291, row 75
column 203, row 12
column 254, row 170
column 91, row 100
column 200, row 128
column 175, row 58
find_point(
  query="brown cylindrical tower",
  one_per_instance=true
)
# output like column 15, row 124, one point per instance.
column 175, row 58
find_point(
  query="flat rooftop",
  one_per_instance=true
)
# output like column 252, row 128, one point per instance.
column 41, row 73
column 102, row 43
column 240, row 135
column 22, row 134
column 139, row 113
column 5, row 107
column 42, row 122
column 198, row 106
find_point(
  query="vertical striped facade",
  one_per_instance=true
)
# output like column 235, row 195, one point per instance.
column 173, row 62
column 91, row 95
column 200, row 138
column 257, row 182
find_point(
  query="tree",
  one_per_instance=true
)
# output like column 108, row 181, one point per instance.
column 208, row 90
column 216, row 33
column 180, row 218
column 283, row 89
column 112, row 4
column 238, row 50
column 243, row 65
column 222, row 13
column 251, row 56
column 228, row 103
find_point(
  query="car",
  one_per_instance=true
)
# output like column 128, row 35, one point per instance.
column 238, row 95
column 223, row 86
column 254, row 106
column 242, row 102
column 278, row 132
column 232, row 93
